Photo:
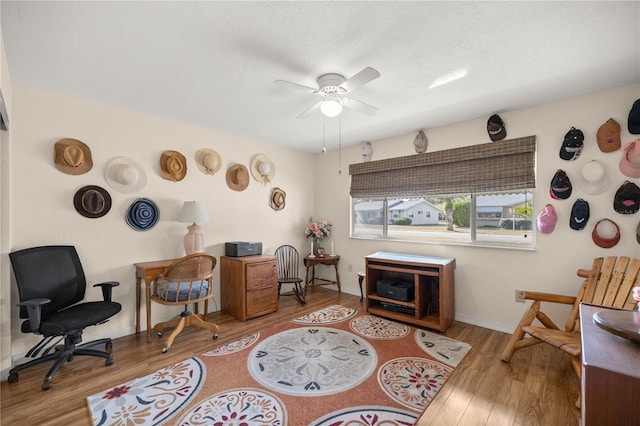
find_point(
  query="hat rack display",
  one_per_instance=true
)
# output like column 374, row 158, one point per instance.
column 594, row 180
column 125, row 175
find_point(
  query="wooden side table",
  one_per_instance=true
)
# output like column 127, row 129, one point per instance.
column 147, row 271
column 311, row 280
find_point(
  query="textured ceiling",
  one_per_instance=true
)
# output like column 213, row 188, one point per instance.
column 213, row 64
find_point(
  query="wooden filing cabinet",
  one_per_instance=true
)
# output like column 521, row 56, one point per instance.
column 248, row 286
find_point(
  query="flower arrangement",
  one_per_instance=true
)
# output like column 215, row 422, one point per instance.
column 636, row 296
column 318, row 229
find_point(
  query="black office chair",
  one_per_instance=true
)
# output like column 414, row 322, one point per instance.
column 288, row 261
column 51, row 284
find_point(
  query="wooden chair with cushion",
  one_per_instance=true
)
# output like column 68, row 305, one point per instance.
column 187, row 280
column 608, row 283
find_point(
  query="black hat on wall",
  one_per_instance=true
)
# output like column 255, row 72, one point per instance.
column 495, row 128
column 572, row 144
column 634, row 118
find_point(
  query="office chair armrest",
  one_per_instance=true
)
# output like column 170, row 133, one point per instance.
column 34, row 311
column 106, row 289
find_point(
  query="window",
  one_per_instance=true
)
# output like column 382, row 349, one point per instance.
column 477, row 195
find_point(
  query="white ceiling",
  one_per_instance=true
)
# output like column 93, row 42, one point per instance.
column 213, row 64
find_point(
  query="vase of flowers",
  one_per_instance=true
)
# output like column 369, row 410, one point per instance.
column 317, row 231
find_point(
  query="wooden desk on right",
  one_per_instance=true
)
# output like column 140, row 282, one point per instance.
column 610, row 374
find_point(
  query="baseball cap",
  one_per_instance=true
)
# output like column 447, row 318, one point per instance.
column 630, row 161
column 560, row 186
column 579, row 214
column 608, row 136
column 495, row 128
column 627, row 198
column 634, row 118
column 572, row 144
column 546, row 220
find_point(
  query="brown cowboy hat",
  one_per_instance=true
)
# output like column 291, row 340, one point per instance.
column 237, row 177
column 92, row 201
column 72, row 156
column 277, row 199
column 173, row 166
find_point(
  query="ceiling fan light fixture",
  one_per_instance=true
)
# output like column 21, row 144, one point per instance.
column 331, row 106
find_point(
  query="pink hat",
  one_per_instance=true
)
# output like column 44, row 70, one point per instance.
column 630, row 161
column 547, row 219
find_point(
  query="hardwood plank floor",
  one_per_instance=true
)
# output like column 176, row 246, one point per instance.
column 538, row 387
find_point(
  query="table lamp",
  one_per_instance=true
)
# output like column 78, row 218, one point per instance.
column 193, row 212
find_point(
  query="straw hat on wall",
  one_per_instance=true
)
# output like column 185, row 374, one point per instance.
column 237, row 177
column 72, row 156
column 173, row 166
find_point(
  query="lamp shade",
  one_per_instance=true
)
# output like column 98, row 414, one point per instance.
column 193, row 212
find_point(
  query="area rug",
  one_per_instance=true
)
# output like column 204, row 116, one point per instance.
column 335, row 367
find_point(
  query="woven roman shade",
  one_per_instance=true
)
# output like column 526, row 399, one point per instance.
column 490, row 167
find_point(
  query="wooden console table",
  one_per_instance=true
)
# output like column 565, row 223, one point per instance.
column 432, row 305
column 610, row 374
column 311, row 280
column 147, row 271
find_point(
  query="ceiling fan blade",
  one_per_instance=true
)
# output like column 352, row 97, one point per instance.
column 359, row 106
column 295, row 86
column 360, row 79
column 310, row 110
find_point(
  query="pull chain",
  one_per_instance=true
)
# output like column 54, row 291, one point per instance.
column 340, row 144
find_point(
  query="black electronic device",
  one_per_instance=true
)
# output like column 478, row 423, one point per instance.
column 398, row 308
column 242, row 248
column 396, row 290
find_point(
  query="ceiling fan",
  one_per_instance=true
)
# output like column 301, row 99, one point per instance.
column 334, row 88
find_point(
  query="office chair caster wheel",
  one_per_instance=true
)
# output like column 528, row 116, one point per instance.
column 108, row 346
column 108, row 362
column 215, row 337
column 159, row 333
column 46, row 385
column 164, row 350
column 13, row 377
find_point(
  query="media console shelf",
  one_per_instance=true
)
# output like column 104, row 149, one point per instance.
column 433, row 278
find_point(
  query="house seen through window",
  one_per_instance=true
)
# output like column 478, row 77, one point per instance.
column 485, row 219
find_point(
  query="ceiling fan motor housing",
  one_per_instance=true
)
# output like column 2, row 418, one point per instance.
column 330, row 83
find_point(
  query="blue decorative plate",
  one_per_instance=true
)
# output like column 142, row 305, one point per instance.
column 143, row 214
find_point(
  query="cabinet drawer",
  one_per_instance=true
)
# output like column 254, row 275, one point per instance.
column 261, row 276
column 260, row 302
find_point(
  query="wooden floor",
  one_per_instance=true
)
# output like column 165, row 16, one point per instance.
column 538, row 387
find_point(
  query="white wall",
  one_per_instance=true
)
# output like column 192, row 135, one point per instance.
column 42, row 210
column 43, row 213
column 5, row 228
column 486, row 278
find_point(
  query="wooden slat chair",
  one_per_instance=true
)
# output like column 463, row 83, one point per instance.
column 609, row 283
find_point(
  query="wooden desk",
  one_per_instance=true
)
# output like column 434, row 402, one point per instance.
column 147, row 271
column 610, row 374
column 311, row 280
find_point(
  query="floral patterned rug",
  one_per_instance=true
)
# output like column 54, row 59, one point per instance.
column 332, row 367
